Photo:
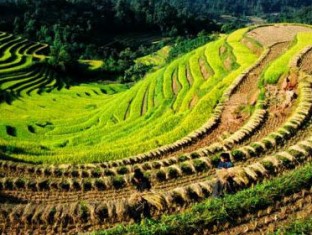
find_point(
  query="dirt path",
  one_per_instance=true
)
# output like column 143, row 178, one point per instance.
column 264, row 35
column 244, row 95
column 306, row 63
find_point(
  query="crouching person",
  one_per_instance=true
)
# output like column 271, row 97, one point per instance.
column 225, row 182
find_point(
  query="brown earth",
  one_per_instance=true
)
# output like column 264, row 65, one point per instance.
column 229, row 123
column 269, row 35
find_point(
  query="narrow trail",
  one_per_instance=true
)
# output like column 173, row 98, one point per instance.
column 243, row 95
column 306, row 63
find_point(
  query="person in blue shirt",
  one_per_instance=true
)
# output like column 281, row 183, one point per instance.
column 225, row 161
column 226, row 183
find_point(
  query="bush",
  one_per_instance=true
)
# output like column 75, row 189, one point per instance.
column 8, row 184
column 156, row 165
column 48, row 172
column 118, row 182
column 76, row 185
column 195, row 155
column 87, row 185
column 186, row 169
column 268, row 166
column 84, row 212
column 65, row 185
column 32, row 185
column 102, row 213
column 200, row 165
column 96, row 172
column 109, row 172
column 85, row 174
column 20, row 184
column 258, row 148
column 173, row 173
column 238, row 155
column 161, row 175
column 58, row 172
column 75, row 173
column 183, row 158
column 44, row 185
column 123, row 170
column 100, row 185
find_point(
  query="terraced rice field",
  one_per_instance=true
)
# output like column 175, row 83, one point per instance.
column 68, row 153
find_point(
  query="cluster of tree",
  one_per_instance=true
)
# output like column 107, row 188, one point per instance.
column 182, row 46
column 87, row 29
column 304, row 15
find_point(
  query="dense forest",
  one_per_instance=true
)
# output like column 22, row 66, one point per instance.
column 67, row 25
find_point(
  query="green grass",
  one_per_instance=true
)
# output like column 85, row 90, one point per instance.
column 214, row 211
column 101, row 122
column 281, row 65
column 157, row 59
column 302, row 226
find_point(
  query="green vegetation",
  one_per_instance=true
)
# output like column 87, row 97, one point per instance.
column 71, row 151
column 213, row 211
column 281, row 66
column 303, row 226
column 153, row 112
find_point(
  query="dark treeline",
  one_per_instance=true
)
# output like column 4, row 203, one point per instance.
column 90, row 24
column 87, row 29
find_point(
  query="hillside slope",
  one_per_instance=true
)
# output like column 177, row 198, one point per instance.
column 229, row 95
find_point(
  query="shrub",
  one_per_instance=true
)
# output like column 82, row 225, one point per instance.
column 75, row 173
column 44, row 185
column 200, row 165
column 195, row 155
column 268, row 144
column 177, row 198
column 161, row 175
column 84, row 212
column 215, row 160
column 123, row 170
column 258, row 148
column 8, row 184
column 102, row 212
column 118, row 182
column 48, row 172
column 192, row 194
column 32, row 185
column 173, row 173
column 183, row 158
column 51, row 215
column 268, row 166
column 96, row 172
column 146, row 166
column 238, row 155
column 85, row 174
column 76, row 185
column 58, row 172
column 87, row 185
column 109, row 172
column 286, row 162
column 20, row 183
column 156, row 165
column 65, row 185
column 186, row 169
column 100, row 185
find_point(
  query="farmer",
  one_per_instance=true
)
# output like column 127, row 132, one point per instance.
column 225, row 161
column 141, row 182
column 225, row 178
